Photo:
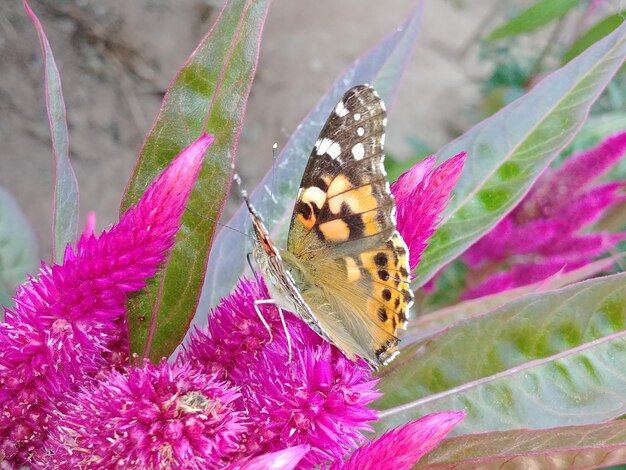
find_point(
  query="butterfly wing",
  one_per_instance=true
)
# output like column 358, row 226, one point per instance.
column 343, row 250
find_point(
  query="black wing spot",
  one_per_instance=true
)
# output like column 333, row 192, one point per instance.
column 382, row 314
column 386, row 295
column 320, row 183
column 353, row 221
column 404, row 272
column 397, row 303
column 381, row 259
column 305, row 209
column 383, row 275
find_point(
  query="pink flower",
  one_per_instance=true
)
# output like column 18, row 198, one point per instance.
column 286, row 459
column 318, row 399
column 67, row 320
column 163, row 416
column 543, row 234
column 421, row 195
column 401, row 448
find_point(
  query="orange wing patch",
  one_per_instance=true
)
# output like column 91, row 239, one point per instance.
column 391, row 294
column 336, row 230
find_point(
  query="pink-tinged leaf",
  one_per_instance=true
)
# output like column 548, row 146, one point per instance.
column 544, row 360
column 382, row 67
column 401, row 448
column 580, row 447
column 507, row 152
column 286, row 459
column 65, row 201
column 433, row 322
column 210, row 93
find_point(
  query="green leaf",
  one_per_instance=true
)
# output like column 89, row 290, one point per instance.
column 545, row 360
column 382, row 66
column 508, row 151
column 65, row 209
column 209, row 93
column 18, row 248
column 534, row 17
column 590, row 446
column 594, row 34
column 431, row 322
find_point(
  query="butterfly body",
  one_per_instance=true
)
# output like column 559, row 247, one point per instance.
column 345, row 269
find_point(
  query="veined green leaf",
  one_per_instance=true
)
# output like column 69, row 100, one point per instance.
column 507, row 152
column 427, row 324
column 594, row 34
column 545, row 360
column 534, row 17
column 209, row 94
column 591, row 446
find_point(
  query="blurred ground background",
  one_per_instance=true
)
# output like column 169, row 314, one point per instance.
column 116, row 59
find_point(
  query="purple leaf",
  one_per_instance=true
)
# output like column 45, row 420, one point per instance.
column 590, row 446
column 65, row 202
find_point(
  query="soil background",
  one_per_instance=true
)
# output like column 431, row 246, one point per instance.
column 116, row 59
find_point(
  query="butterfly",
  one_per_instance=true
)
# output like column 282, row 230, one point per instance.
column 345, row 271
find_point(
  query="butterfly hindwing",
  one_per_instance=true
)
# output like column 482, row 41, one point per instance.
column 348, row 260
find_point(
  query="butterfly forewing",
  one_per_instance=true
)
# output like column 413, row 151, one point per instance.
column 348, row 260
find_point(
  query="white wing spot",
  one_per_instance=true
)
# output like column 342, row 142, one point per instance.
column 317, row 144
column 330, row 147
column 381, row 167
column 334, row 150
column 358, row 151
column 322, row 145
column 357, row 117
column 382, row 105
column 340, row 109
column 384, row 121
column 360, row 132
column 382, row 140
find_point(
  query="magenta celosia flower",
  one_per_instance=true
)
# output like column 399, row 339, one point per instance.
column 421, row 195
column 164, row 416
column 544, row 233
column 67, row 320
column 318, row 399
column 401, row 448
column 286, row 459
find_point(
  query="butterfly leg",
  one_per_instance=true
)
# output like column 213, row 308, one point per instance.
column 267, row 326
column 287, row 335
column 262, row 318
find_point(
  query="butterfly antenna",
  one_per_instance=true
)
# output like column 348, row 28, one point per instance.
column 270, row 191
column 247, row 235
column 243, row 193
